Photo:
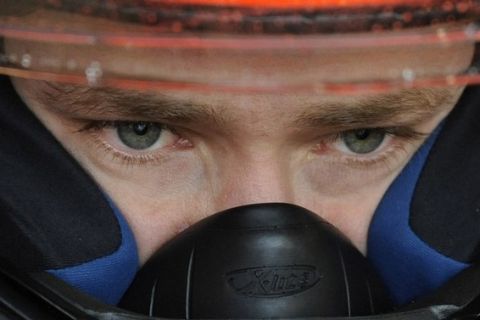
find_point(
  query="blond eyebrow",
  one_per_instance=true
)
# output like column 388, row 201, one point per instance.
column 405, row 106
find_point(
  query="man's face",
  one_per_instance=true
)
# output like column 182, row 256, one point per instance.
column 171, row 158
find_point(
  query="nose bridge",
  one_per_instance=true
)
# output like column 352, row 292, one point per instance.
column 255, row 178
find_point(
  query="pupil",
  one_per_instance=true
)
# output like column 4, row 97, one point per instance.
column 140, row 128
column 362, row 134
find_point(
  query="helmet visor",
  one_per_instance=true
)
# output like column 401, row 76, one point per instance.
column 242, row 45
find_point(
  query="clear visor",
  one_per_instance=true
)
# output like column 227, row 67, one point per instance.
column 242, row 45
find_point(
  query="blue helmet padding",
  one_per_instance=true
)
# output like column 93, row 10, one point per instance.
column 409, row 266
column 106, row 278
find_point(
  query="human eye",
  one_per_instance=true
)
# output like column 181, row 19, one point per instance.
column 371, row 146
column 361, row 141
column 135, row 142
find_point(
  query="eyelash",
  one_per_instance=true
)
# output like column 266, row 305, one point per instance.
column 399, row 137
column 94, row 128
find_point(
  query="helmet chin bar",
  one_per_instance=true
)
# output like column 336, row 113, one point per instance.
column 255, row 229
column 42, row 296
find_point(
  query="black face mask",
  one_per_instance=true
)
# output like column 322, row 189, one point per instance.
column 235, row 268
column 258, row 261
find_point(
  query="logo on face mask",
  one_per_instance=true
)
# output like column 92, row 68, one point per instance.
column 264, row 282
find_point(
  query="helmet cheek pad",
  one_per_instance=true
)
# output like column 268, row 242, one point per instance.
column 54, row 217
column 106, row 277
column 426, row 228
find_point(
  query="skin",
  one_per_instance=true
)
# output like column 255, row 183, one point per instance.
column 259, row 148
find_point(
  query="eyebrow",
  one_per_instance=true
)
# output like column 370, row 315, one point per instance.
column 111, row 103
column 404, row 106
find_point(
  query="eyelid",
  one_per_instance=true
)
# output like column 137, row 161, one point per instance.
column 399, row 139
column 131, row 157
column 101, row 124
column 405, row 133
